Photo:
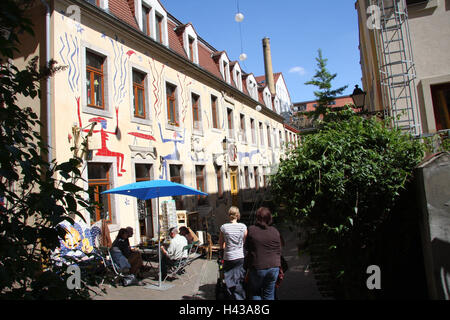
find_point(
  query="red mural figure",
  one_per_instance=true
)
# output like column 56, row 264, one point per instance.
column 104, row 151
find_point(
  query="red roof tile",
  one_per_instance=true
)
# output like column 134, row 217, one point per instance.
column 206, row 62
column 175, row 42
column 122, row 10
column 208, row 58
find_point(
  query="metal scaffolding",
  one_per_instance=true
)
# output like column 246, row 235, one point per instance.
column 396, row 66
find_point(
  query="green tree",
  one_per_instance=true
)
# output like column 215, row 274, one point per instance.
column 36, row 195
column 343, row 183
column 325, row 94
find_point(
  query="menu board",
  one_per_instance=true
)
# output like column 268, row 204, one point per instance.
column 168, row 216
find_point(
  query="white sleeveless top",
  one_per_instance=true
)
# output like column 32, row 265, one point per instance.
column 234, row 239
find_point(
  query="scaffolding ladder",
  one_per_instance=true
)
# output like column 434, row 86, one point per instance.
column 396, row 67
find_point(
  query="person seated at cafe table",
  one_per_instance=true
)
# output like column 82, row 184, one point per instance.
column 188, row 234
column 174, row 252
column 134, row 257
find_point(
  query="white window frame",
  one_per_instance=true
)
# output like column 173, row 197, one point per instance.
column 108, row 111
column 148, row 115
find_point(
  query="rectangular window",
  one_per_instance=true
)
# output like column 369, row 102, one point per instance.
column 94, row 80
column 230, row 122
column 200, row 179
column 256, row 174
column 243, row 133
column 269, row 141
column 238, row 79
column 98, row 181
column 261, row 134
column 145, row 212
column 253, row 129
column 175, row 176
column 281, row 138
column 191, row 49
column 225, row 73
column 171, row 104
column 159, row 28
column 139, row 94
column 441, row 105
column 214, row 112
column 196, row 111
column 219, row 176
column 146, row 20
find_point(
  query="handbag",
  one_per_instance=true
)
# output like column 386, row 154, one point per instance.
column 283, row 268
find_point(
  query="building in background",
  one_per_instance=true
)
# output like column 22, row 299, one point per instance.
column 405, row 64
column 300, row 118
column 161, row 103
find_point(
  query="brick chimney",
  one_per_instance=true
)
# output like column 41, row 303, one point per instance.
column 268, row 66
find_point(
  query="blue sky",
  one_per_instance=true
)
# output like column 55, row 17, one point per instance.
column 296, row 28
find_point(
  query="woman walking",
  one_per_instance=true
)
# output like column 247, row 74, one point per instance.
column 231, row 240
column 264, row 253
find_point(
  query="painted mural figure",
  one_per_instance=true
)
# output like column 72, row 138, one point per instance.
column 104, row 151
column 175, row 155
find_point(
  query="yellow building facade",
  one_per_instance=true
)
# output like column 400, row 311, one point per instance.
column 153, row 100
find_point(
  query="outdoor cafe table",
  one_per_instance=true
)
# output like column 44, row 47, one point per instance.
column 148, row 252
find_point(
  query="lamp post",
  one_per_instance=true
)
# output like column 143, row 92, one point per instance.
column 358, row 97
column 223, row 154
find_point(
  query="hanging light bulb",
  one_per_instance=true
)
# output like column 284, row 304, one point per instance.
column 258, row 108
column 239, row 17
column 243, row 57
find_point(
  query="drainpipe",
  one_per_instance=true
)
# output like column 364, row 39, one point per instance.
column 47, row 56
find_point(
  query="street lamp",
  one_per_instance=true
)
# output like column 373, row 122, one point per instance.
column 358, row 97
column 224, row 145
column 223, row 154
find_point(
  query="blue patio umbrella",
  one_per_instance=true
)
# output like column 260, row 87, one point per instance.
column 151, row 189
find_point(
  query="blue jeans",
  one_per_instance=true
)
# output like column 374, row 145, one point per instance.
column 262, row 283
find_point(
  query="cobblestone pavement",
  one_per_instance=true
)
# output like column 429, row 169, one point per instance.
column 199, row 281
column 299, row 282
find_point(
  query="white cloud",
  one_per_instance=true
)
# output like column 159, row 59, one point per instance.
column 300, row 70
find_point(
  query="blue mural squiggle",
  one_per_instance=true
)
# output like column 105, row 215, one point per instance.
column 70, row 55
column 248, row 155
column 120, row 72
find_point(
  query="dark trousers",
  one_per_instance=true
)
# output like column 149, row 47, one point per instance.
column 166, row 263
column 234, row 275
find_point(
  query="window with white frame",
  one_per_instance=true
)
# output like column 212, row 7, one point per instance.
column 215, row 112
column 253, row 130
column 242, row 132
column 190, row 43
column 196, row 113
column 171, row 102
column 224, row 64
column 152, row 19
column 237, row 77
column 261, row 134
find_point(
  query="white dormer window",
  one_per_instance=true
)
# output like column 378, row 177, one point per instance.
column 276, row 105
column 237, row 76
column 152, row 20
column 252, row 87
column 267, row 98
column 224, row 65
column 190, row 43
column 226, row 71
